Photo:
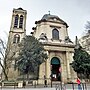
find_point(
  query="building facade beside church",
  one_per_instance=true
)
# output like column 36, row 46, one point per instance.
column 53, row 33
column 85, row 41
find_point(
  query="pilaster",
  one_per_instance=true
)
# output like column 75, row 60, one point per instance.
column 68, row 65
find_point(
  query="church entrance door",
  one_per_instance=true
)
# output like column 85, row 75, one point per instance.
column 55, row 69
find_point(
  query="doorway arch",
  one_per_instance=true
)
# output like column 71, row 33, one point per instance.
column 55, row 69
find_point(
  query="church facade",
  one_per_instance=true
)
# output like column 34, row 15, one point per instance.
column 53, row 33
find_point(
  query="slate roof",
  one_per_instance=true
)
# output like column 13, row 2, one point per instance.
column 20, row 8
column 49, row 16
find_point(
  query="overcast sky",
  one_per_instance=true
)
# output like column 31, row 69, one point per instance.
column 74, row 12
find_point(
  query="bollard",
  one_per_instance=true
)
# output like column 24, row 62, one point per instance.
column 64, row 86
column 61, row 86
column 14, row 85
column 51, row 83
column 73, row 86
column 57, row 86
column 1, row 85
column 85, row 86
column 35, row 84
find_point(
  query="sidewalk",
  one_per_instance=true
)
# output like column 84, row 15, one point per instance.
column 27, row 88
column 41, row 87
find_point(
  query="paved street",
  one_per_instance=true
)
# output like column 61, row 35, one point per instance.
column 27, row 88
column 67, row 87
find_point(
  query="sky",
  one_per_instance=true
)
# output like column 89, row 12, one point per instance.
column 74, row 12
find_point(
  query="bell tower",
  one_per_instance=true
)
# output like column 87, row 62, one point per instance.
column 16, row 34
column 18, row 25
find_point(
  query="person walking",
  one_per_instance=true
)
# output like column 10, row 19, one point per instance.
column 79, row 84
column 45, row 81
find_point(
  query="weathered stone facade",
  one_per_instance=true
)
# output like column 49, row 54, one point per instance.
column 16, row 34
column 53, row 33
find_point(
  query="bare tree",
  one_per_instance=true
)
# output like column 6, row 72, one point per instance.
column 87, row 28
column 2, row 58
column 5, row 58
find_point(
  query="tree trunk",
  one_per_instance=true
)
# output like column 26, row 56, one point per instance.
column 4, row 71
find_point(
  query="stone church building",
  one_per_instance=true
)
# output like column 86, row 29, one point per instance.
column 53, row 33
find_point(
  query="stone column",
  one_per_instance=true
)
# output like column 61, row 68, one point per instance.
column 63, row 71
column 41, row 73
column 73, row 73
column 47, row 69
column 68, row 66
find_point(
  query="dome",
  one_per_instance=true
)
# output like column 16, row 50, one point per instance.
column 20, row 8
column 49, row 16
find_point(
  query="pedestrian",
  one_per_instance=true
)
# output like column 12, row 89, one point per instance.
column 79, row 84
column 45, row 81
column 24, row 84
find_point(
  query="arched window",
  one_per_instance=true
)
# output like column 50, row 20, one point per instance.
column 55, row 34
column 16, row 21
column 21, row 22
column 16, row 38
column 55, row 60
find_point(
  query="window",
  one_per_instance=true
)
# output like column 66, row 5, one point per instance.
column 16, row 21
column 16, row 38
column 55, row 34
column 21, row 22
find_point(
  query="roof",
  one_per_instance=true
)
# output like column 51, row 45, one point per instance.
column 49, row 16
column 53, row 18
column 20, row 8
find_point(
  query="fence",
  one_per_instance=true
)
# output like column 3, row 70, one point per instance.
column 72, row 86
